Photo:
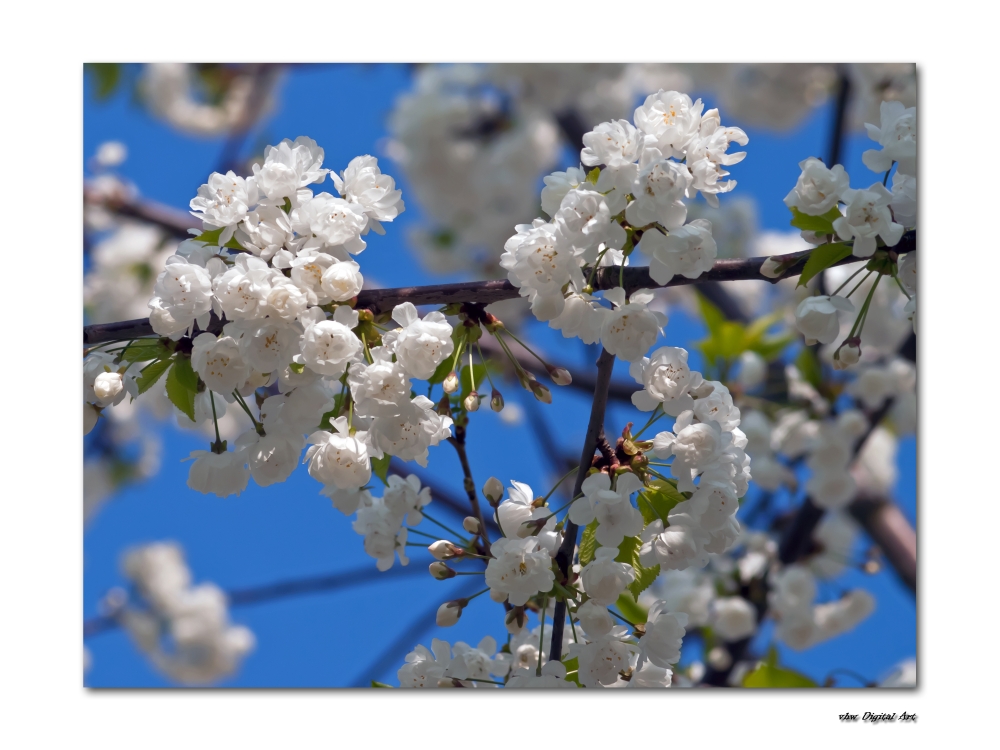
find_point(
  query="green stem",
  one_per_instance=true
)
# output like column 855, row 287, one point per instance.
column 627, row 622
column 658, row 413
column 450, row 531
column 597, row 263
column 848, row 281
column 565, row 476
column 530, row 350
column 483, row 360
column 860, row 283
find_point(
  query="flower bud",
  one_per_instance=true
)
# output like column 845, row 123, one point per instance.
column 496, row 401
column 441, row 571
column 471, row 402
column 107, row 386
column 771, row 268
column 493, row 490
column 848, row 354
column 719, row 659
column 444, row 550
column 448, row 613
column 515, row 620
column 451, row 382
column 471, row 524
column 541, row 392
column 560, row 375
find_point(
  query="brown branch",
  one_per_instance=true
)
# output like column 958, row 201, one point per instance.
column 486, row 292
column 595, row 428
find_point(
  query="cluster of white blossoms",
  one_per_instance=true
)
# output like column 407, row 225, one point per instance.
column 706, row 445
column 801, row 622
column 867, row 217
column 274, row 260
column 381, row 520
column 635, row 194
column 184, row 629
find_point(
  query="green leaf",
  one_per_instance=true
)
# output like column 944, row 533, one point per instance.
column 769, row 675
column 772, row 346
column 106, row 77
column 211, row 237
column 822, row 258
column 143, row 350
column 442, row 371
column 630, row 609
column 479, row 371
column 809, row 366
column 713, row 316
column 819, row 224
column 628, row 552
column 182, row 386
column 588, row 543
column 726, row 339
column 380, row 466
column 593, row 174
column 573, row 665
column 380, row 685
column 658, row 500
column 151, row 373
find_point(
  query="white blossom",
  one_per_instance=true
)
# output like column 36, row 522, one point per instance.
column 818, row 188
column 631, row 329
column 816, row 317
column 420, row 345
column 687, row 251
column 866, row 217
column 518, row 570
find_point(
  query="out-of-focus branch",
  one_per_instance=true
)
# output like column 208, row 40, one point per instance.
column 174, row 222
column 281, row 590
column 486, row 292
column 595, row 429
column 836, row 145
column 889, row 529
column 395, row 652
column 264, row 78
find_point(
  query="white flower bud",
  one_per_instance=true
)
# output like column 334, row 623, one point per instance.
column 560, row 375
column 440, row 571
column 443, row 550
column 448, row 614
column 493, row 489
column 472, row 402
column 541, row 392
column 107, row 386
column 848, row 354
column 771, row 268
column 451, row 382
column 496, row 401
column 471, row 524
column 719, row 659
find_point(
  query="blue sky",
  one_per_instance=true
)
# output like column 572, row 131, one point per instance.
column 289, row 530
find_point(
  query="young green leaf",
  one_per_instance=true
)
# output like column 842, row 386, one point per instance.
column 180, row 390
column 380, row 467
column 630, row 609
column 143, row 350
column 822, row 258
column 151, row 373
column 588, row 543
column 211, row 237
column 770, row 675
column 819, row 224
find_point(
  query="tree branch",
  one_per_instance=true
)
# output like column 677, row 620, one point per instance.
column 458, row 442
column 280, row 590
column 889, row 529
column 486, row 292
column 595, row 428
